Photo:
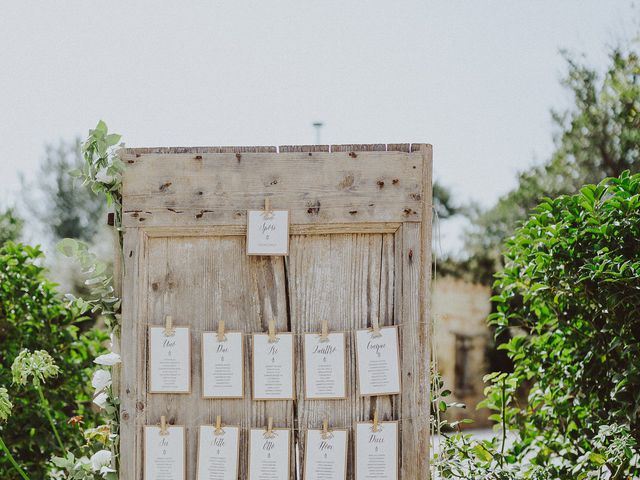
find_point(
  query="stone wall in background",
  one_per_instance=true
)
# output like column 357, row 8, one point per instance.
column 461, row 339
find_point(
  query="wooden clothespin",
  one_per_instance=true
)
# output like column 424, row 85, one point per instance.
column 169, row 330
column 267, row 213
column 164, row 430
column 269, row 428
column 218, row 430
column 376, row 426
column 324, row 331
column 221, row 336
column 325, row 429
column 272, row 332
column 375, row 328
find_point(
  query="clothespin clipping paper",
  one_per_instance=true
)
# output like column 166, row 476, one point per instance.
column 325, row 429
column 376, row 426
column 169, row 330
column 269, row 429
column 324, row 331
column 272, row 332
column 218, row 430
column 163, row 426
column 267, row 213
column 221, row 336
column 375, row 328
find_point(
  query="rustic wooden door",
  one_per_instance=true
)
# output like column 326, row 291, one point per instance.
column 360, row 249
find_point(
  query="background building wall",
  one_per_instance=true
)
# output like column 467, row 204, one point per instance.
column 461, row 340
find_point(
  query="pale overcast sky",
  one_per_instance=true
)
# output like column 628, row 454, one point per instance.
column 474, row 78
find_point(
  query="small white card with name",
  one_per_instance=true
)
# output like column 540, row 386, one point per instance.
column 273, row 367
column 269, row 454
column 222, row 365
column 325, row 457
column 268, row 232
column 377, row 452
column 324, row 366
column 218, row 454
column 169, row 361
column 165, row 455
column 378, row 362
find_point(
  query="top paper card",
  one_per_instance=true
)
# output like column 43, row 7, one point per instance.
column 169, row 361
column 268, row 232
column 378, row 362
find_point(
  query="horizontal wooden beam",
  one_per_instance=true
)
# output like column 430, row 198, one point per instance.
column 205, row 189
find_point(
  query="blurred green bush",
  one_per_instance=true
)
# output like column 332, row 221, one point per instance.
column 33, row 315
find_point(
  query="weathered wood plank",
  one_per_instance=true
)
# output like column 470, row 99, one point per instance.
column 360, row 147
column 130, row 440
column 344, row 279
column 303, row 148
column 347, row 270
column 241, row 230
column 199, row 282
column 425, row 308
column 317, row 187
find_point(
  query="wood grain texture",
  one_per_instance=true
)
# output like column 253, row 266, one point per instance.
column 317, row 187
column 348, row 271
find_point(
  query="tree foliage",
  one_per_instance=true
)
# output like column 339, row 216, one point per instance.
column 571, row 284
column 570, row 291
column 10, row 226
column 33, row 316
column 64, row 207
column 598, row 137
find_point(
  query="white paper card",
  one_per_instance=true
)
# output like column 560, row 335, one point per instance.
column 324, row 366
column 164, row 455
column 273, row 367
column 326, row 458
column 169, row 361
column 218, row 455
column 377, row 452
column 222, row 366
column 269, row 456
column 378, row 362
column 268, row 233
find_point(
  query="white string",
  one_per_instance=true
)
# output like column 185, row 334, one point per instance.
column 195, row 423
column 251, row 334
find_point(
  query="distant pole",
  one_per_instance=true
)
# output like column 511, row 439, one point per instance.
column 318, row 126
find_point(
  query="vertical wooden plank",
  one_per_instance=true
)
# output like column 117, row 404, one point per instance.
column 133, row 352
column 412, row 353
column 268, row 289
column 415, row 349
column 425, row 306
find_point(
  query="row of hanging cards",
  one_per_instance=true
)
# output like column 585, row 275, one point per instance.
column 377, row 352
column 376, row 450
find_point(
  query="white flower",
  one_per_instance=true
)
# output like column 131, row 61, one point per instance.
column 104, row 470
column 81, row 462
column 101, row 400
column 108, row 359
column 103, row 177
column 100, row 460
column 101, row 379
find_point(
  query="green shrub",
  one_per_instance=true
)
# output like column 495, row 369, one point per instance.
column 570, row 291
column 33, row 316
